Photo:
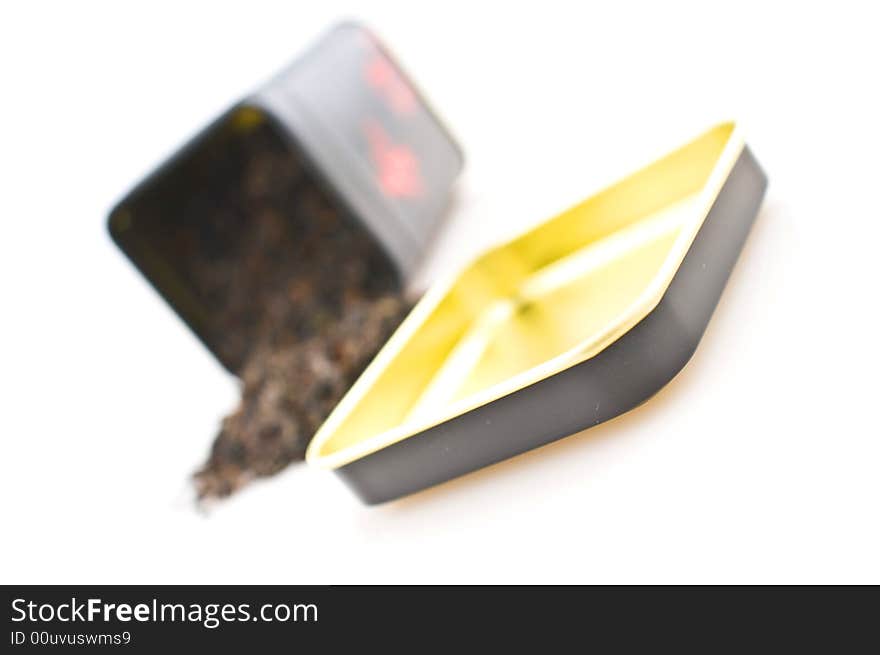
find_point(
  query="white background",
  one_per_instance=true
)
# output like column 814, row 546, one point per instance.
column 759, row 463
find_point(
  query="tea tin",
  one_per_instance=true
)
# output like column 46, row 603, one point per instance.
column 366, row 135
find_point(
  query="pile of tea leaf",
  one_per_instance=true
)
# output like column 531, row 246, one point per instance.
column 297, row 298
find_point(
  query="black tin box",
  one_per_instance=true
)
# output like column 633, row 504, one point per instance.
column 364, row 135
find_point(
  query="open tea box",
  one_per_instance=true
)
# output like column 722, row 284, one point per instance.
column 285, row 234
column 571, row 324
column 343, row 159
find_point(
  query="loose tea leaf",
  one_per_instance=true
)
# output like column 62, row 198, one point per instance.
column 289, row 390
column 293, row 295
